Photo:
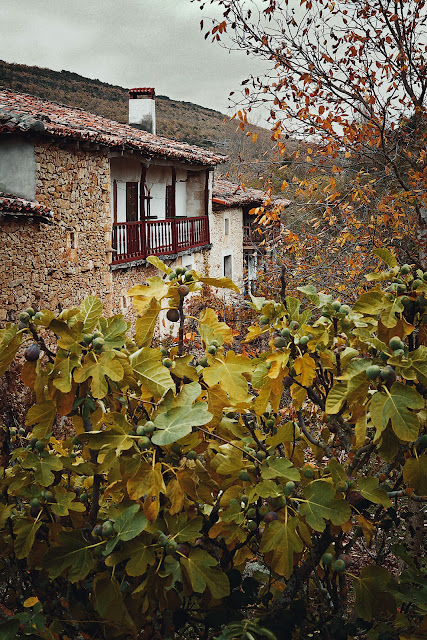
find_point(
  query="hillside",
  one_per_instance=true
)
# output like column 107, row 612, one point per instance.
column 175, row 119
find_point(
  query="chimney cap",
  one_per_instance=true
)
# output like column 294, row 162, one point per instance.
column 142, row 91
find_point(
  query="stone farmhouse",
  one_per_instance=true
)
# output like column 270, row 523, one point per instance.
column 244, row 241
column 84, row 200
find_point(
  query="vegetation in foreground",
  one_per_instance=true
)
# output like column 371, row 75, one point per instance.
column 228, row 496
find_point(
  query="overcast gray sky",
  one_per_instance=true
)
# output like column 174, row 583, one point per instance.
column 125, row 42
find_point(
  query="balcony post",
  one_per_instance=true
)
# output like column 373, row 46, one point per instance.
column 174, row 235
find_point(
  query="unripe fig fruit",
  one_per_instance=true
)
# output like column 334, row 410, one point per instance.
column 405, row 269
column 183, row 290
column 162, row 539
column 84, row 497
column 422, row 442
column 263, row 320
column 251, row 513
column 30, row 311
column 87, row 338
column 280, row 342
column 339, row 566
column 244, row 475
column 32, row 352
column 388, row 374
column 98, row 343
column 252, row 525
column 214, row 343
column 342, row 486
column 270, row 423
column 308, row 473
column 327, row 559
column 172, row 275
column 171, row 546
column 140, row 430
column 40, row 445
column 191, row 455
column 344, row 308
column 149, row 426
column 212, row 350
column 395, row 343
column 203, row 362
column 294, row 325
column 24, row 317
column 336, row 305
column 172, row 315
column 304, row 341
column 97, row 334
column 263, row 510
column 35, row 502
column 107, row 529
column 289, row 488
column 244, row 498
column 178, row 271
column 38, row 315
column 270, row 516
column 188, row 276
column 285, row 332
column 144, row 443
column 167, row 362
column 373, row 371
column 416, row 283
column 163, row 351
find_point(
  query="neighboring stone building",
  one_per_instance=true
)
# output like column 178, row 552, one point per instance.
column 84, row 200
column 241, row 255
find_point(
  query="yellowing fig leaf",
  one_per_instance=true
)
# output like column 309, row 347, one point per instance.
column 203, row 573
column 211, row 328
column 369, row 489
column 10, row 341
column 229, row 374
column 306, row 369
column 221, row 283
column 415, row 474
column 150, row 372
column 280, row 542
column 25, row 532
column 142, row 294
column 99, row 368
column 372, row 598
column 321, row 505
column 43, row 417
column 114, row 331
column 90, row 311
column 43, row 467
column 72, row 556
column 115, row 437
column 416, row 367
column 395, row 406
column 146, row 324
column 176, row 423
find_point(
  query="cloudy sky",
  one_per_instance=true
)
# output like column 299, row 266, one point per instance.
column 125, row 42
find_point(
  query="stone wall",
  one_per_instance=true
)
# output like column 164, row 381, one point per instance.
column 46, row 265
column 230, row 243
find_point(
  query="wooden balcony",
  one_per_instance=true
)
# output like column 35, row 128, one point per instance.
column 137, row 240
column 253, row 235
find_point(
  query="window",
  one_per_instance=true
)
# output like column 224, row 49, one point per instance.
column 226, row 226
column 170, row 201
column 228, row 266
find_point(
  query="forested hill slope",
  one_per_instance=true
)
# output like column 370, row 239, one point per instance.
column 175, row 119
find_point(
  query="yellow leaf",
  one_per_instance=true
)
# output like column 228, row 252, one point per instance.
column 306, row 369
column 30, row 602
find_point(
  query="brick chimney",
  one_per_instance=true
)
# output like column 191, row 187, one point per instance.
column 142, row 109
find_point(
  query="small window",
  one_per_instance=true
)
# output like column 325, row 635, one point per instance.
column 72, row 240
column 228, row 266
column 226, row 226
column 131, row 201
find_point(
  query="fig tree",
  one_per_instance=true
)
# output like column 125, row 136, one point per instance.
column 172, row 315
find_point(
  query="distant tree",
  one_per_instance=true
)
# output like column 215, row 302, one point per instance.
column 348, row 79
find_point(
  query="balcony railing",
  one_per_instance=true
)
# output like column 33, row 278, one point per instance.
column 137, row 240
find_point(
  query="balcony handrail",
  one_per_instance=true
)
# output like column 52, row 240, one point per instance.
column 138, row 239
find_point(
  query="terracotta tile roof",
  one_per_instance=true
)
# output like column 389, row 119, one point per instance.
column 23, row 112
column 13, row 205
column 228, row 194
